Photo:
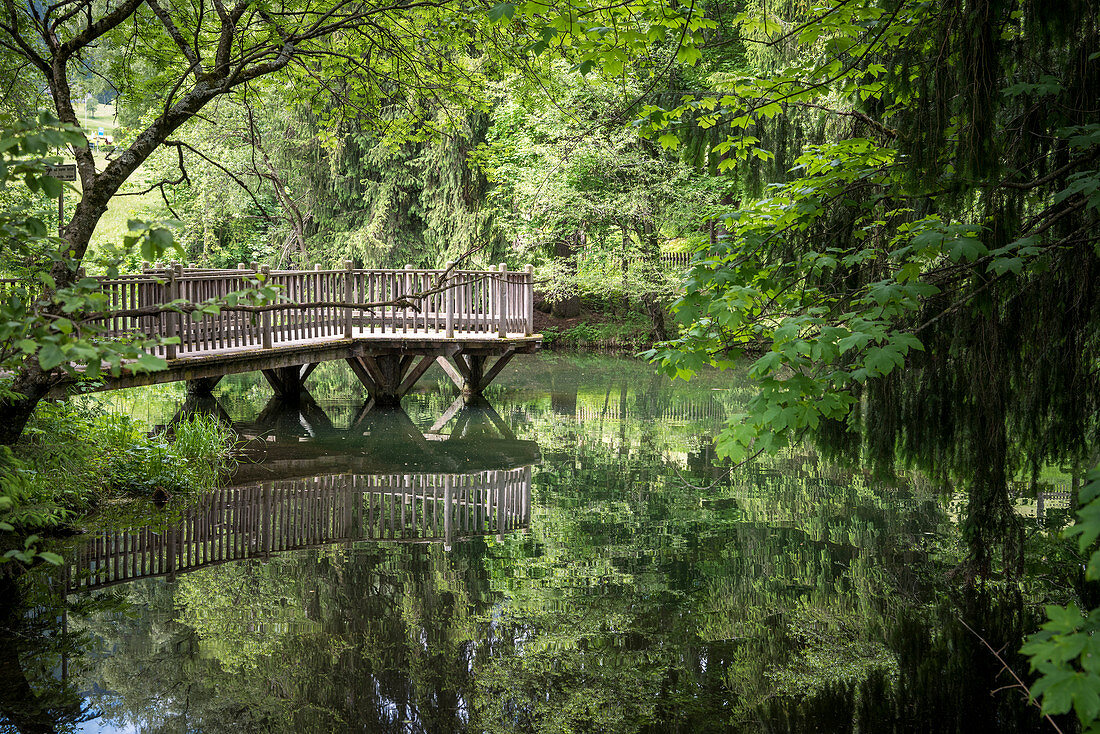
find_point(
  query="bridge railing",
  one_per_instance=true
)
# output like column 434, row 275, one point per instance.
column 317, row 304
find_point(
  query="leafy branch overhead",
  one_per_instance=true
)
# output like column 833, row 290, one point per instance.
column 927, row 203
column 1066, row 650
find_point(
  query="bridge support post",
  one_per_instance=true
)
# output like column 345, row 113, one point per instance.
column 349, row 297
column 389, row 377
column 468, row 372
column 202, row 387
column 289, row 383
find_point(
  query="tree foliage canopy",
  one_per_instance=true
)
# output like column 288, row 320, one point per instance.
column 937, row 209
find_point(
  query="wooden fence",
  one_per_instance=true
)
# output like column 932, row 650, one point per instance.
column 669, row 260
column 315, row 305
column 257, row 520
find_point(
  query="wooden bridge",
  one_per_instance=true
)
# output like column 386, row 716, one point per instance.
column 389, row 325
column 257, row 520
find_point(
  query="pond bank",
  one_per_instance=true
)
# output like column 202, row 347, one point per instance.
column 75, row 459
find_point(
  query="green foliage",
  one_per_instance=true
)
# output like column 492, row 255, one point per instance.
column 1066, row 650
column 56, row 327
column 629, row 334
column 74, row 457
column 918, row 267
column 139, row 465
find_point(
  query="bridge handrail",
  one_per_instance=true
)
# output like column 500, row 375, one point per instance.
column 321, row 304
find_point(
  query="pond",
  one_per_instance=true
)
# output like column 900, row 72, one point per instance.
column 562, row 557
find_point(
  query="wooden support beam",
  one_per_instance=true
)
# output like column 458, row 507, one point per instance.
column 452, row 371
column 370, row 364
column 462, row 366
column 360, row 371
column 500, row 364
column 196, row 404
column 202, row 386
column 475, row 383
column 382, row 375
column 416, row 373
column 468, row 373
column 287, row 382
column 307, row 370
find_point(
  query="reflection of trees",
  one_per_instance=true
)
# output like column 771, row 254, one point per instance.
column 158, row 678
column 788, row 596
column 778, row 607
column 34, row 648
column 363, row 639
column 784, row 604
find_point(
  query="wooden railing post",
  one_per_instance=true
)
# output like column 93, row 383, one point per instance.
column 349, row 297
column 172, row 318
column 265, row 316
column 450, row 296
column 502, row 301
column 406, row 287
column 529, row 299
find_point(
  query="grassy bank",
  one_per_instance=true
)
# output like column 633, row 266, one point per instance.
column 621, row 333
column 75, row 459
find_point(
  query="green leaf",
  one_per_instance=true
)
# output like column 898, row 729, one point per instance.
column 50, row 356
column 51, row 558
column 669, row 141
column 149, row 363
column 502, row 11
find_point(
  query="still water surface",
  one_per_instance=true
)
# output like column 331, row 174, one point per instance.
column 564, row 557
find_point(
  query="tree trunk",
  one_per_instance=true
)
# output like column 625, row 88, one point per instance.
column 565, row 249
column 651, row 297
column 31, row 384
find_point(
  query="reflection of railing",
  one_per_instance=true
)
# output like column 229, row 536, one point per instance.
column 256, row 520
column 679, row 412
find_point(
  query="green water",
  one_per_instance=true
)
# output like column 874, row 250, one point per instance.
column 635, row 587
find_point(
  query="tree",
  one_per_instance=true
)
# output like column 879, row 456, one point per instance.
column 936, row 209
column 197, row 57
column 372, row 55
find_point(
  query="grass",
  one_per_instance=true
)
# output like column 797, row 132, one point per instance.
column 633, row 333
column 72, row 459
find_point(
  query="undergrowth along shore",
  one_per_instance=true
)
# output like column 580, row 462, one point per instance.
column 74, row 460
column 596, row 330
column 605, row 332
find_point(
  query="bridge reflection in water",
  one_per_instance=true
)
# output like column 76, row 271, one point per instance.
column 315, row 496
